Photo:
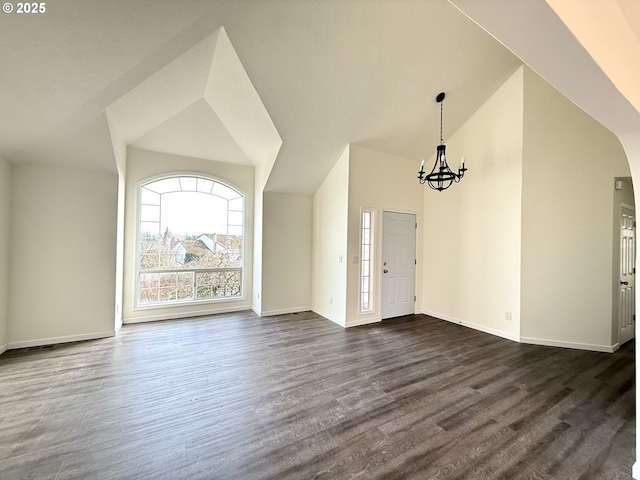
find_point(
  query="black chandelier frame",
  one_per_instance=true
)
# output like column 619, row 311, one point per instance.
column 441, row 176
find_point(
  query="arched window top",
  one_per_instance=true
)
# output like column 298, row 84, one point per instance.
column 192, row 184
column 189, row 205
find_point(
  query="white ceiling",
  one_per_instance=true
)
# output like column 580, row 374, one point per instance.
column 196, row 132
column 328, row 74
column 533, row 31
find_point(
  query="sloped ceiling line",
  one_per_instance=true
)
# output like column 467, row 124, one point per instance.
column 327, row 74
column 201, row 104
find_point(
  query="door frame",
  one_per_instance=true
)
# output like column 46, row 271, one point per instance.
column 381, row 261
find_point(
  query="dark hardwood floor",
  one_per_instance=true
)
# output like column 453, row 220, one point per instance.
column 295, row 397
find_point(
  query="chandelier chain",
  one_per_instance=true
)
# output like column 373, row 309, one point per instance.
column 441, row 141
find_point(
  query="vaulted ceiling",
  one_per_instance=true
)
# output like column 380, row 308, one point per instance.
column 240, row 81
column 603, row 80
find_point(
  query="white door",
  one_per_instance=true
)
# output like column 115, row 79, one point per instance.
column 398, row 264
column 626, row 292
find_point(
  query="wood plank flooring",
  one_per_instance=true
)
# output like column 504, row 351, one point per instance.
column 295, row 397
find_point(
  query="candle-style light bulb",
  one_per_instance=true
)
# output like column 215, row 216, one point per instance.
column 462, row 162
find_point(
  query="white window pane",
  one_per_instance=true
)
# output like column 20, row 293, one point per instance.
column 149, row 213
column 165, row 185
column 167, row 294
column 188, row 184
column 148, row 197
column 365, row 301
column 152, row 228
column 193, row 213
column 237, row 204
column 235, row 230
column 149, row 280
column 225, row 192
column 235, row 218
column 148, row 296
column 185, row 293
column 366, row 219
column 204, row 185
column 149, row 261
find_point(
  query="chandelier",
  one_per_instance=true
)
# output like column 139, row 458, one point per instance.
column 441, row 176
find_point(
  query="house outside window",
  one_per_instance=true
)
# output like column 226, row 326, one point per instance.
column 190, row 241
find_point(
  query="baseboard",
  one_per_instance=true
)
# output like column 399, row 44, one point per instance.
column 327, row 316
column 474, row 326
column 191, row 314
column 283, row 311
column 574, row 345
column 532, row 341
column 55, row 340
column 3, row 348
column 363, row 321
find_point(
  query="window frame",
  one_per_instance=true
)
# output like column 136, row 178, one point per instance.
column 371, row 277
column 138, row 244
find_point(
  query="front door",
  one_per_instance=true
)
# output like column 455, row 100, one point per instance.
column 626, row 292
column 398, row 264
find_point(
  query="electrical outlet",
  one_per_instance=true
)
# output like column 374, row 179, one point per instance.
column 507, row 316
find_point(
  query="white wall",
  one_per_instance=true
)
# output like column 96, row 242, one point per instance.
column 569, row 165
column 471, row 247
column 329, row 252
column 286, row 253
column 261, row 174
column 143, row 165
column 119, row 285
column 5, row 197
column 380, row 182
column 120, row 156
column 258, row 205
column 63, row 255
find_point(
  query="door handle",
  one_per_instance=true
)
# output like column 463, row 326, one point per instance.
column 385, row 271
column 624, row 283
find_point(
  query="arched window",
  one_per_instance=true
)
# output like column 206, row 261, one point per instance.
column 190, row 241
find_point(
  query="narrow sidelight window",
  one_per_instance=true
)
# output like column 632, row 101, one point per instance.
column 366, row 260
